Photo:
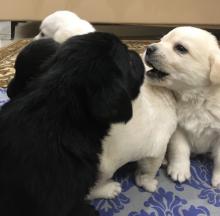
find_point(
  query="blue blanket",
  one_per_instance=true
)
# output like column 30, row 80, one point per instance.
column 193, row 198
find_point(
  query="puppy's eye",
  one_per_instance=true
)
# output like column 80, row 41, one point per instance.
column 180, row 48
column 42, row 34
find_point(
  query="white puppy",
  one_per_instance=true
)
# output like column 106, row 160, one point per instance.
column 187, row 60
column 61, row 25
column 144, row 139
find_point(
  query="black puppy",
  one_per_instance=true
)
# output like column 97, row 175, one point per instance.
column 50, row 138
column 28, row 64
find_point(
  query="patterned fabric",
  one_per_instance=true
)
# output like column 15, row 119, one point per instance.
column 193, row 198
column 3, row 96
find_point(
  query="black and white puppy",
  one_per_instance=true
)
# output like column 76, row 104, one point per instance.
column 51, row 136
column 28, row 64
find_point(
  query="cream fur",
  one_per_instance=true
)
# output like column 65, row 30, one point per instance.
column 194, row 78
column 144, row 139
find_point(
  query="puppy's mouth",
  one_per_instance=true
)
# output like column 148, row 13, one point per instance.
column 154, row 73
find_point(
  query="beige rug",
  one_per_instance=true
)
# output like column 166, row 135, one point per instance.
column 8, row 55
column 7, row 58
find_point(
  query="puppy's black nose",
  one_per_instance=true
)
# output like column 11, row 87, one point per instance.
column 150, row 50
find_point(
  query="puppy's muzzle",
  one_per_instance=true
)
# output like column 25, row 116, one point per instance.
column 150, row 50
column 150, row 60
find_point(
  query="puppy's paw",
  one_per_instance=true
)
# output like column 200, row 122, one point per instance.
column 179, row 171
column 148, row 183
column 108, row 190
column 112, row 189
column 216, row 180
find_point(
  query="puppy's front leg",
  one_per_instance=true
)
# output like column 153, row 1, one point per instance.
column 216, row 170
column 145, row 176
column 105, row 187
column 179, row 157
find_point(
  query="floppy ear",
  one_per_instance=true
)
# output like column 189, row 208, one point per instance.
column 111, row 104
column 215, row 69
column 111, row 101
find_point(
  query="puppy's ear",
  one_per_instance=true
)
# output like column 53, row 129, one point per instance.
column 28, row 64
column 112, row 104
column 111, row 101
column 215, row 69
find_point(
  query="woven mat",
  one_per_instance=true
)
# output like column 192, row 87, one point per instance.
column 8, row 55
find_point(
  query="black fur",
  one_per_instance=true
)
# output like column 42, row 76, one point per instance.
column 50, row 138
column 28, row 64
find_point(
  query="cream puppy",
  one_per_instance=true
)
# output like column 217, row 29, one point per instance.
column 144, row 139
column 187, row 60
column 61, row 25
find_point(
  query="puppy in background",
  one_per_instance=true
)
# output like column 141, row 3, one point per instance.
column 51, row 161
column 61, row 25
column 187, row 61
column 58, row 26
column 28, row 65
